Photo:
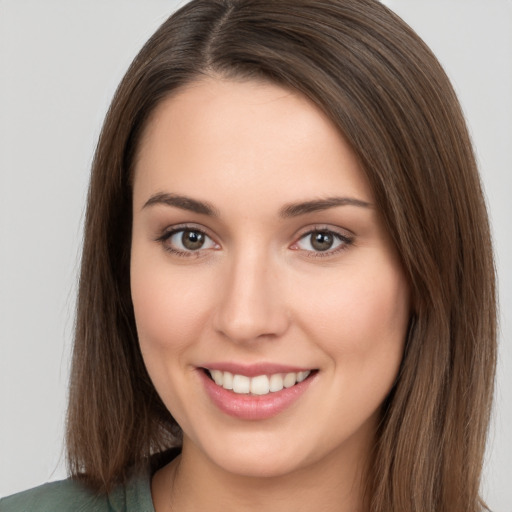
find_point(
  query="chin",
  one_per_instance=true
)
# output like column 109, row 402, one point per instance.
column 258, row 466
column 264, row 459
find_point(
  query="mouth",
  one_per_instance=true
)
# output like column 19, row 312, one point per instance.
column 255, row 392
column 258, row 385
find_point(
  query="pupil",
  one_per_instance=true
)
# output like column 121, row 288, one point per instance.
column 322, row 241
column 192, row 240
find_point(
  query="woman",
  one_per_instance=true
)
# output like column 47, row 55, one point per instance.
column 287, row 274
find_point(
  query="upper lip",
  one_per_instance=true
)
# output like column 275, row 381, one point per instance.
column 253, row 370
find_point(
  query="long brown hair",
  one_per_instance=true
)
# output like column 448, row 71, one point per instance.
column 387, row 93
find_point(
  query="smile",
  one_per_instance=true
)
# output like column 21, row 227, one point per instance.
column 255, row 392
column 258, row 385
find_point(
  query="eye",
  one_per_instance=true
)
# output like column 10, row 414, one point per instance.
column 184, row 241
column 322, row 241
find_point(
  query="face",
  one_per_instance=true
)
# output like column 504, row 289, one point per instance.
column 270, row 304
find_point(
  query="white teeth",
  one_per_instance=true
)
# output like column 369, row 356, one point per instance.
column 276, row 382
column 260, row 385
column 241, row 384
column 228, row 381
column 289, row 380
column 218, row 377
column 300, row 376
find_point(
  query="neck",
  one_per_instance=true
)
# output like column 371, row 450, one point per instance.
column 193, row 482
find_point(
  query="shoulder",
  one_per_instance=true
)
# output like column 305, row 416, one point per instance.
column 66, row 495
column 72, row 496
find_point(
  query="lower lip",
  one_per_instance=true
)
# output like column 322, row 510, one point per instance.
column 254, row 407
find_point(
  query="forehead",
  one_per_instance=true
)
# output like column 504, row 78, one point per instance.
column 248, row 136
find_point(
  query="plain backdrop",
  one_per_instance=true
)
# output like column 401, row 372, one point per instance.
column 60, row 61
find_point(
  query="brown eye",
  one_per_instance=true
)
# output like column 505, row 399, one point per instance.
column 192, row 240
column 321, row 240
column 186, row 241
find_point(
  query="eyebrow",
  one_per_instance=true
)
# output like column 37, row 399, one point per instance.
column 289, row 210
column 183, row 202
column 296, row 209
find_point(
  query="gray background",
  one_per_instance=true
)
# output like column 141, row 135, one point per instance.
column 60, row 62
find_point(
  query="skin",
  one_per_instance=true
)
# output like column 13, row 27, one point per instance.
column 258, row 291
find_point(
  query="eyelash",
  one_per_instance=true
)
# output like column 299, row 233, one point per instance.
column 168, row 234
column 345, row 242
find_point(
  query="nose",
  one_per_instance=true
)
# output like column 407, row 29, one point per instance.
column 251, row 305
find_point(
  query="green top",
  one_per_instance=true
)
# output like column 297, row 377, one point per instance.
column 72, row 496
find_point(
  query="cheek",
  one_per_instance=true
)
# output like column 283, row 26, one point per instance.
column 362, row 315
column 362, row 328
column 168, row 309
column 170, row 316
